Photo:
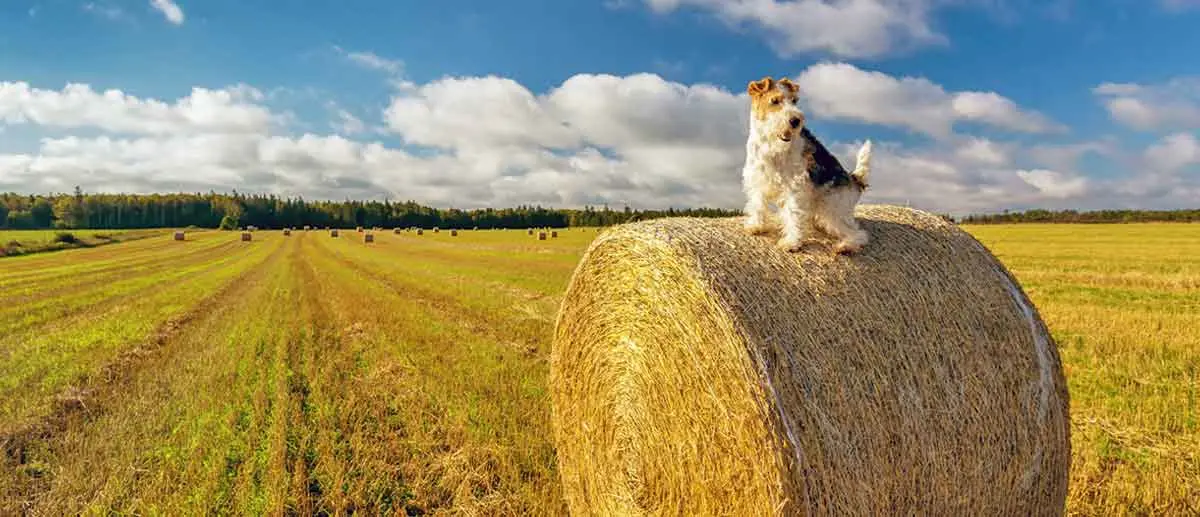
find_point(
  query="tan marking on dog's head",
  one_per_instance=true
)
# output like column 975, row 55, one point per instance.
column 768, row 96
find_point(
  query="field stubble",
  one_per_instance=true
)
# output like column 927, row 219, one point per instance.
column 307, row 374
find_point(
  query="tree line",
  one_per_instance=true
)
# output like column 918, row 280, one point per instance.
column 213, row 210
column 1094, row 216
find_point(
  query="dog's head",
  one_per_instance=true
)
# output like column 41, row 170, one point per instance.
column 774, row 110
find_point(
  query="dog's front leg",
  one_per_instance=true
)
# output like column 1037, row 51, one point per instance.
column 756, row 212
column 794, row 219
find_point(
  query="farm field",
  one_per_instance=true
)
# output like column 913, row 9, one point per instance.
column 20, row 242
column 313, row 374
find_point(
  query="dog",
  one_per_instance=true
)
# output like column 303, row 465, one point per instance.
column 788, row 167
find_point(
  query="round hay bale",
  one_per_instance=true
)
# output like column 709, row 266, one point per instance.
column 420, row 231
column 287, row 232
column 541, row 236
column 333, row 233
column 179, row 236
column 554, row 235
column 697, row 370
column 454, row 233
column 435, row 229
column 369, row 237
column 246, row 237
column 358, row 229
column 531, row 231
column 398, row 231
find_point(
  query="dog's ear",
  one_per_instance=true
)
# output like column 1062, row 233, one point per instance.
column 760, row 86
column 789, row 85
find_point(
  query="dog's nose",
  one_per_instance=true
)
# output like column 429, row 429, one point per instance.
column 795, row 122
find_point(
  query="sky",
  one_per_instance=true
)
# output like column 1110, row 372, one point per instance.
column 973, row 105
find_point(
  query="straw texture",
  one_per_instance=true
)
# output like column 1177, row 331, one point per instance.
column 697, row 370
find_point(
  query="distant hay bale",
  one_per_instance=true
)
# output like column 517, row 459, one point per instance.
column 697, row 370
column 475, row 229
column 333, row 233
column 420, row 231
column 369, row 237
column 398, row 231
column 358, row 229
column 307, row 227
column 454, row 233
column 541, row 236
column 435, row 229
column 179, row 236
column 531, row 231
column 246, row 237
column 554, row 235
column 287, row 232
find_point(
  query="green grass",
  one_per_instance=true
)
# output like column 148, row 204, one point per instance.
column 309, row 374
column 24, row 242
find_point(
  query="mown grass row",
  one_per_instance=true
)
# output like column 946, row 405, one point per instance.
column 323, row 375
column 26, row 242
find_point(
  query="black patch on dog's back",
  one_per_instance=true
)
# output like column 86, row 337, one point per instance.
column 824, row 170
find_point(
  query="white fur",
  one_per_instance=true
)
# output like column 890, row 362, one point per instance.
column 776, row 173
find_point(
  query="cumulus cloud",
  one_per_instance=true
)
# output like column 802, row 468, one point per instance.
column 1055, row 184
column 1174, row 104
column 169, row 9
column 79, row 106
column 1174, row 152
column 346, row 123
column 490, row 141
column 856, row 29
column 843, row 91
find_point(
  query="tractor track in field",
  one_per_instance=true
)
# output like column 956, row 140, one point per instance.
column 47, row 265
column 33, row 269
column 99, row 277
column 37, row 272
column 89, row 398
column 528, row 342
column 74, row 315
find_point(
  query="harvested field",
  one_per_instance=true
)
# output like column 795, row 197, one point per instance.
column 312, row 374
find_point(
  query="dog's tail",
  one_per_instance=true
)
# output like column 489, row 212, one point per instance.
column 862, row 168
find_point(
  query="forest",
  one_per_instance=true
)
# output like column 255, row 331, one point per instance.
column 80, row 210
column 124, row 211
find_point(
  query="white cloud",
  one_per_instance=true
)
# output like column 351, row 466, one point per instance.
column 856, row 29
column 169, row 9
column 843, row 91
column 1067, row 156
column 372, row 61
column 78, row 106
column 476, row 112
column 490, row 141
column 1055, row 184
column 1174, row 152
column 1174, row 104
column 104, row 10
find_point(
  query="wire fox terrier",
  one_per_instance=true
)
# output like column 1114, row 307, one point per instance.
column 787, row 166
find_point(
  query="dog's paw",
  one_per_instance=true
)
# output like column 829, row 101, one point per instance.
column 847, row 248
column 756, row 228
column 790, row 245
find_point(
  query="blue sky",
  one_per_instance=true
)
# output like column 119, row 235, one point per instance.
column 976, row 105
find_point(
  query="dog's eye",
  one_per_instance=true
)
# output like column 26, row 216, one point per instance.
column 775, row 101
column 796, row 100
